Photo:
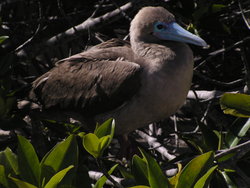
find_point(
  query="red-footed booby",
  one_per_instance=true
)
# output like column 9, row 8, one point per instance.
column 135, row 84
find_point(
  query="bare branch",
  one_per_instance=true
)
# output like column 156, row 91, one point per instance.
column 81, row 29
column 155, row 144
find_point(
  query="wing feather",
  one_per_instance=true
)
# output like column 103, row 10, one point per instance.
column 93, row 81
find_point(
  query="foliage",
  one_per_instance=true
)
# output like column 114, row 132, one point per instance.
column 236, row 104
column 26, row 171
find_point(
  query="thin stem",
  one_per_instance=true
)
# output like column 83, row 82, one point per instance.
column 104, row 171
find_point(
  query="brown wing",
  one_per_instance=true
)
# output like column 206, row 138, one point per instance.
column 87, row 83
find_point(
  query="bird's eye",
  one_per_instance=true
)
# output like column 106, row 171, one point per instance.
column 160, row 27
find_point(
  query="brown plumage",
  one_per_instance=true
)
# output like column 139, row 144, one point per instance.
column 135, row 85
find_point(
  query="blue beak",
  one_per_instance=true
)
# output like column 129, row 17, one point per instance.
column 174, row 32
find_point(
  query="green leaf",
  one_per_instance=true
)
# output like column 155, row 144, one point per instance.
column 3, row 178
column 91, row 143
column 139, row 170
column 28, row 162
column 57, row 178
column 22, row 184
column 3, row 38
column 103, row 179
column 220, row 138
column 233, row 139
column 105, row 129
column 227, row 179
column 195, row 169
column 217, row 7
column 125, row 173
column 9, row 160
column 140, row 186
column 155, row 176
column 235, row 104
column 173, row 181
column 60, row 157
column 81, row 134
column 104, row 142
column 225, row 157
column 204, row 180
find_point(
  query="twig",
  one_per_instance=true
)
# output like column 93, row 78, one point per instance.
column 204, row 95
column 234, row 83
column 81, row 28
column 220, row 51
column 123, row 181
column 122, row 12
column 239, row 150
column 156, row 145
column 36, row 32
column 243, row 15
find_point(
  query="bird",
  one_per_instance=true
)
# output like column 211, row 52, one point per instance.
column 135, row 83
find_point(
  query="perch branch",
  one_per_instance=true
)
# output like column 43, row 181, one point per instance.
column 81, row 28
column 155, row 144
column 220, row 51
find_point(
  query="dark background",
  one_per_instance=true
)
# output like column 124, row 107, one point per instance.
column 37, row 39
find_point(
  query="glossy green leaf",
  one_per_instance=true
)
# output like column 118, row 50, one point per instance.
column 140, row 186
column 228, row 170
column 139, row 170
column 22, row 184
column 28, row 162
column 127, row 174
column 195, row 169
column 204, row 180
column 103, row 179
column 156, row 177
column 60, row 157
column 225, row 157
column 91, row 143
column 3, row 178
column 104, row 142
column 9, row 160
column 217, row 7
column 173, row 181
column 81, row 134
column 235, row 104
column 107, row 128
column 220, row 138
column 228, row 180
column 3, row 38
column 236, row 136
column 57, row 178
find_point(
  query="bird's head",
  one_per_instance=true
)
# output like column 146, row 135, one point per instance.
column 152, row 24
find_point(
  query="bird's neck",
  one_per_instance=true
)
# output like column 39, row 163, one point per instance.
column 163, row 56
